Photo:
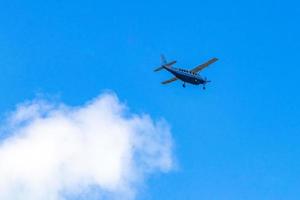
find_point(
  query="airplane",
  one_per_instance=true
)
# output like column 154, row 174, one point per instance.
column 187, row 76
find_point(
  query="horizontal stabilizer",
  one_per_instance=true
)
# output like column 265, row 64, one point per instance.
column 165, row 65
column 170, row 63
column 158, row 69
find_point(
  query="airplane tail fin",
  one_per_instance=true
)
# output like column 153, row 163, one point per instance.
column 163, row 59
column 164, row 63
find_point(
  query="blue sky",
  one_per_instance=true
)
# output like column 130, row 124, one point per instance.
column 239, row 139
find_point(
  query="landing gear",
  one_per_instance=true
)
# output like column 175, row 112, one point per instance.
column 183, row 85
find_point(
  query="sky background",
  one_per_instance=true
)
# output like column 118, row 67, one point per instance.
column 238, row 139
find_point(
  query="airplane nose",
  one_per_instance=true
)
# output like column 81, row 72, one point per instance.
column 205, row 80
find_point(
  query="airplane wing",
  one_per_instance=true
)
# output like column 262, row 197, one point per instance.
column 169, row 81
column 204, row 65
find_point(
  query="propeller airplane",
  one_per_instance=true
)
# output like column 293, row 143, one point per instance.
column 186, row 76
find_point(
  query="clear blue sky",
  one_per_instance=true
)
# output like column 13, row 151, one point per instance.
column 239, row 139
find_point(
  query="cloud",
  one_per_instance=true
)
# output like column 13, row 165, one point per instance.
column 54, row 152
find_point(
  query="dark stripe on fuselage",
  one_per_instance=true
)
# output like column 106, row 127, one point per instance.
column 186, row 76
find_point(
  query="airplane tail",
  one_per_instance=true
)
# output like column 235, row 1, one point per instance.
column 163, row 59
column 164, row 63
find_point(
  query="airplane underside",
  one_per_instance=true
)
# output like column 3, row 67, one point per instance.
column 191, row 80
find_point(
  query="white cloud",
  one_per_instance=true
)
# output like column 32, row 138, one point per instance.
column 53, row 151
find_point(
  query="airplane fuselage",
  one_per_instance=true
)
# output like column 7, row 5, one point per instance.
column 186, row 76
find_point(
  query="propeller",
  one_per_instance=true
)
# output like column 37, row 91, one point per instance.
column 206, row 81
